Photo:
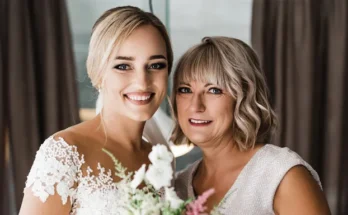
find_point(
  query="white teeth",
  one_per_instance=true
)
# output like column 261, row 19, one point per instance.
column 139, row 98
column 198, row 121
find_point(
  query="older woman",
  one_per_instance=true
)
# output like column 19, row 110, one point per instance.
column 221, row 105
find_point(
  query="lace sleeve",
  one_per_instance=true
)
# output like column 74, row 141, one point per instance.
column 55, row 169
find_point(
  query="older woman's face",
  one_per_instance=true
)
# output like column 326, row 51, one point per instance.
column 205, row 112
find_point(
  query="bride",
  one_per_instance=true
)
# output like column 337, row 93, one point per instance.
column 129, row 60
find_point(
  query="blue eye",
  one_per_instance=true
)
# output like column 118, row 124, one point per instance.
column 215, row 91
column 184, row 90
column 158, row 66
column 122, row 67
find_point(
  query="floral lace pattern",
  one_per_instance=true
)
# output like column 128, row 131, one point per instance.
column 57, row 169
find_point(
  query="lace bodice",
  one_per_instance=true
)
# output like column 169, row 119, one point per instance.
column 58, row 169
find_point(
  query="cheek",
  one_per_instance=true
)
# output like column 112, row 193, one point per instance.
column 181, row 107
column 180, row 104
column 161, row 82
column 114, row 81
column 224, row 110
column 228, row 114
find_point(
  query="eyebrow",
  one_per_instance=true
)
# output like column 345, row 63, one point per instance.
column 124, row 58
column 153, row 57
column 183, row 83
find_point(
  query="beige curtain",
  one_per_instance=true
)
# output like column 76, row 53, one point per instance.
column 303, row 48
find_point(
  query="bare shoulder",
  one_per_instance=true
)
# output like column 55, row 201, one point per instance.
column 84, row 136
column 299, row 193
column 46, row 198
column 68, row 135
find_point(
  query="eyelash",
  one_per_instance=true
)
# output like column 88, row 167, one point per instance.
column 159, row 66
column 186, row 90
column 215, row 89
column 118, row 67
column 154, row 66
column 183, row 89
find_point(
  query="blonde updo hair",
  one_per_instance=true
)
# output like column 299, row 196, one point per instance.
column 110, row 30
column 232, row 65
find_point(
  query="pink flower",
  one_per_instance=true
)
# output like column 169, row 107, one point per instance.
column 197, row 207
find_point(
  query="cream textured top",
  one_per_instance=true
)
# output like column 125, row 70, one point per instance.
column 254, row 189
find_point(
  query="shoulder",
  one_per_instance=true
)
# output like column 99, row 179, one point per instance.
column 299, row 193
column 268, row 169
column 51, row 182
column 280, row 160
column 60, row 146
column 74, row 135
column 84, row 137
column 276, row 154
column 55, row 169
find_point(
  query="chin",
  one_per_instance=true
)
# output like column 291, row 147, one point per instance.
column 198, row 140
column 141, row 117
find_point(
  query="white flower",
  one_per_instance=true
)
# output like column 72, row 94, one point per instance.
column 159, row 154
column 159, row 175
column 172, row 198
column 139, row 176
column 150, row 205
column 147, row 204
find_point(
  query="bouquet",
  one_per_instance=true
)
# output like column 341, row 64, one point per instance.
column 156, row 196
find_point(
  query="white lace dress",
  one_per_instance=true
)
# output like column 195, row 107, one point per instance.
column 57, row 169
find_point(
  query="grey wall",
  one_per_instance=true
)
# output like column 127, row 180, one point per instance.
column 188, row 21
column 192, row 20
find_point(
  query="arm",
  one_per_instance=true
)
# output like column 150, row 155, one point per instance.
column 53, row 205
column 298, row 193
column 51, row 183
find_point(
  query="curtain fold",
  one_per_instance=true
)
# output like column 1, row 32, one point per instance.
column 2, row 131
column 336, row 137
column 3, row 86
column 303, row 49
column 41, row 85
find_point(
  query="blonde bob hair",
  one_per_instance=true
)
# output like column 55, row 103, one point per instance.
column 110, row 30
column 234, row 66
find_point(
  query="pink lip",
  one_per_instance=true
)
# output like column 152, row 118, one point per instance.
column 199, row 124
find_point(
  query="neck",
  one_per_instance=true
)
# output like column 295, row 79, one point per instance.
column 121, row 130
column 223, row 154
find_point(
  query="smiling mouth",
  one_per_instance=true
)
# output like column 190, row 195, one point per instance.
column 139, row 98
column 198, row 122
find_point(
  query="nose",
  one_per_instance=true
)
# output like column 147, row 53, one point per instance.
column 197, row 103
column 142, row 79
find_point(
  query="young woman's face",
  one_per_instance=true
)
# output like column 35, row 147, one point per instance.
column 137, row 75
column 205, row 112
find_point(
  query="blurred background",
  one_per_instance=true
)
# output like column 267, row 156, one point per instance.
column 302, row 45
